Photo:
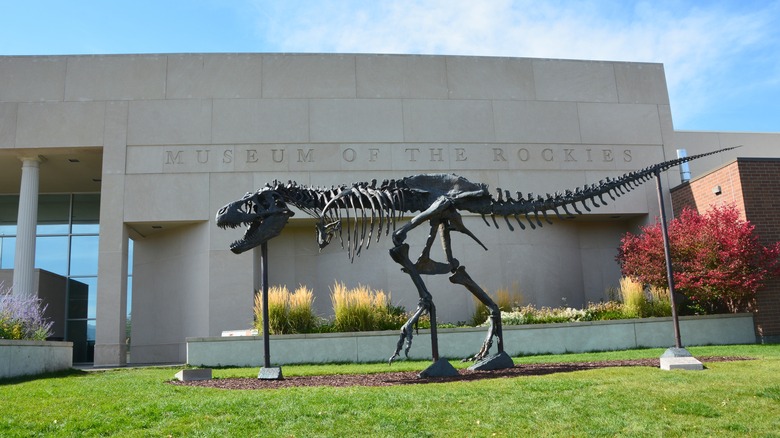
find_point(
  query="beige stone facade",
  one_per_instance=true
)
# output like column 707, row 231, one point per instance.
column 168, row 139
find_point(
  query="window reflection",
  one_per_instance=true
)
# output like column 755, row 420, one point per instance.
column 51, row 254
column 53, row 214
column 7, row 252
column 83, row 255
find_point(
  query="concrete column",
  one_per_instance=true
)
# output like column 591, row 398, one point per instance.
column 26, row 222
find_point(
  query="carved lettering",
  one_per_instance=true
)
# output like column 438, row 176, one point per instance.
column 307, row 157
column 526, row 155
column 172, row 158
column 523, row 154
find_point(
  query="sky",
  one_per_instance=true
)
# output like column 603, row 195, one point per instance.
column 721, row 58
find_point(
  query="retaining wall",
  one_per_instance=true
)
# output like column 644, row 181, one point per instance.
column 463, row 342
column 22, row 358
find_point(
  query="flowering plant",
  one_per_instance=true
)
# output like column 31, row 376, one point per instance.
column 22, row 318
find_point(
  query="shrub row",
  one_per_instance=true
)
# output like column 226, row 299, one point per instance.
column 355, row 309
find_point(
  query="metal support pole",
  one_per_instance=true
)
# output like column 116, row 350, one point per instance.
column 668, row 258
column 264, row 287
column 267, row 372
column 434, row 334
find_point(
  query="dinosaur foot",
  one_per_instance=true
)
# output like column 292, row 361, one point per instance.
column 405, row 338
column 498, row 361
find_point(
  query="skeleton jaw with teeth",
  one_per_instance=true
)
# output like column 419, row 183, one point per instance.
column 264, row 213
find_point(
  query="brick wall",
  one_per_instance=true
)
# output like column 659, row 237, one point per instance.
column 753, row 185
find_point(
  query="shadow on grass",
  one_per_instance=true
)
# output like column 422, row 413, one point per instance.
column 73, row 372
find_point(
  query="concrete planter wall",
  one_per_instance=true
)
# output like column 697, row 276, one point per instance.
column 23, row 358
column 462, row 342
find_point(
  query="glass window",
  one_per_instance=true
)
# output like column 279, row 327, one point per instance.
column 83, row 255
column 9, row 210
column 82, row 297
column 7, row 252
column 86, row 214
column 53, row 214
column 51, row 254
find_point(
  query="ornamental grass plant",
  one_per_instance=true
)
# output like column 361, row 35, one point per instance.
column 363, row 309
column 287, row 312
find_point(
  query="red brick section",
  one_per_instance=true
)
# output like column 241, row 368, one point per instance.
column 753, row 185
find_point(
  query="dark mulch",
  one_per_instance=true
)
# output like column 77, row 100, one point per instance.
column 410, row 377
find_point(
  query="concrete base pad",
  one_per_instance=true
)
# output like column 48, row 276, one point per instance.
column 498, row 361
column 190, row 375
column 681, row 363
column 679, row 359
column 272, row 373
column 440, row 368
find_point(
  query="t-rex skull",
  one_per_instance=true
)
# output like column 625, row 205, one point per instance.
column 264, row 213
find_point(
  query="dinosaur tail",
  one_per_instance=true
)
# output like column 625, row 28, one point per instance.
column 530, row 207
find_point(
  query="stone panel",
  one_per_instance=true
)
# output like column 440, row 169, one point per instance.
column 339, row 120
column 32, row 79
column 490, row 78
column 641, row 83
column 619, row 124
column 159, row 198
column 60, row 124
column 536, row 122
column 261, row 121
column 396, row 76
column 214, row 76
column 575, row 81
column 115, row 138
column 169, row 122
column 124, row 77
column 7, row 125
column 448, row 121
column 312, row 76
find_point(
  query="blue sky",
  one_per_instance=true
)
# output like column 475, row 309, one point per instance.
column 722, row 58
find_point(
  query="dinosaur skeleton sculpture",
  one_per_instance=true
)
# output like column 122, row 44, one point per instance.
column 437, row 199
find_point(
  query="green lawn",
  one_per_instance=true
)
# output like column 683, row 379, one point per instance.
column 727, row 399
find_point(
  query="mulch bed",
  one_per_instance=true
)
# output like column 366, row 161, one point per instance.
column 410, row 377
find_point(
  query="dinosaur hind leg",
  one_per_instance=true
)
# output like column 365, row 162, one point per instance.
column 400, row 255
column 461, row 277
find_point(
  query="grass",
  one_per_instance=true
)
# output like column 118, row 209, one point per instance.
column 727, row 399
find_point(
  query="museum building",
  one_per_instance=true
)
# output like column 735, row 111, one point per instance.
column 112, row 169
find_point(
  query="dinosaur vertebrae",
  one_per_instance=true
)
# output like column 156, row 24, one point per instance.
column 381, row 206
column 612, row 187
column 374, row 208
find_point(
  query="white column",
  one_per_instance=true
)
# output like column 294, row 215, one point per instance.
column 26, row 222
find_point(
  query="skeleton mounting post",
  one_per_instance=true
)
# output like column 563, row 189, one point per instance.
column 267, row 372
column 668, row 258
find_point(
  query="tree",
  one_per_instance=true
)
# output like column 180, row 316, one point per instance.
column 717, row 260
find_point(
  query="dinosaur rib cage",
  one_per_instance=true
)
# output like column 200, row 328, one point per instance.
column 380, row 206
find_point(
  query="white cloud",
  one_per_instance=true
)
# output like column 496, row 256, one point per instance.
column 701, row 47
